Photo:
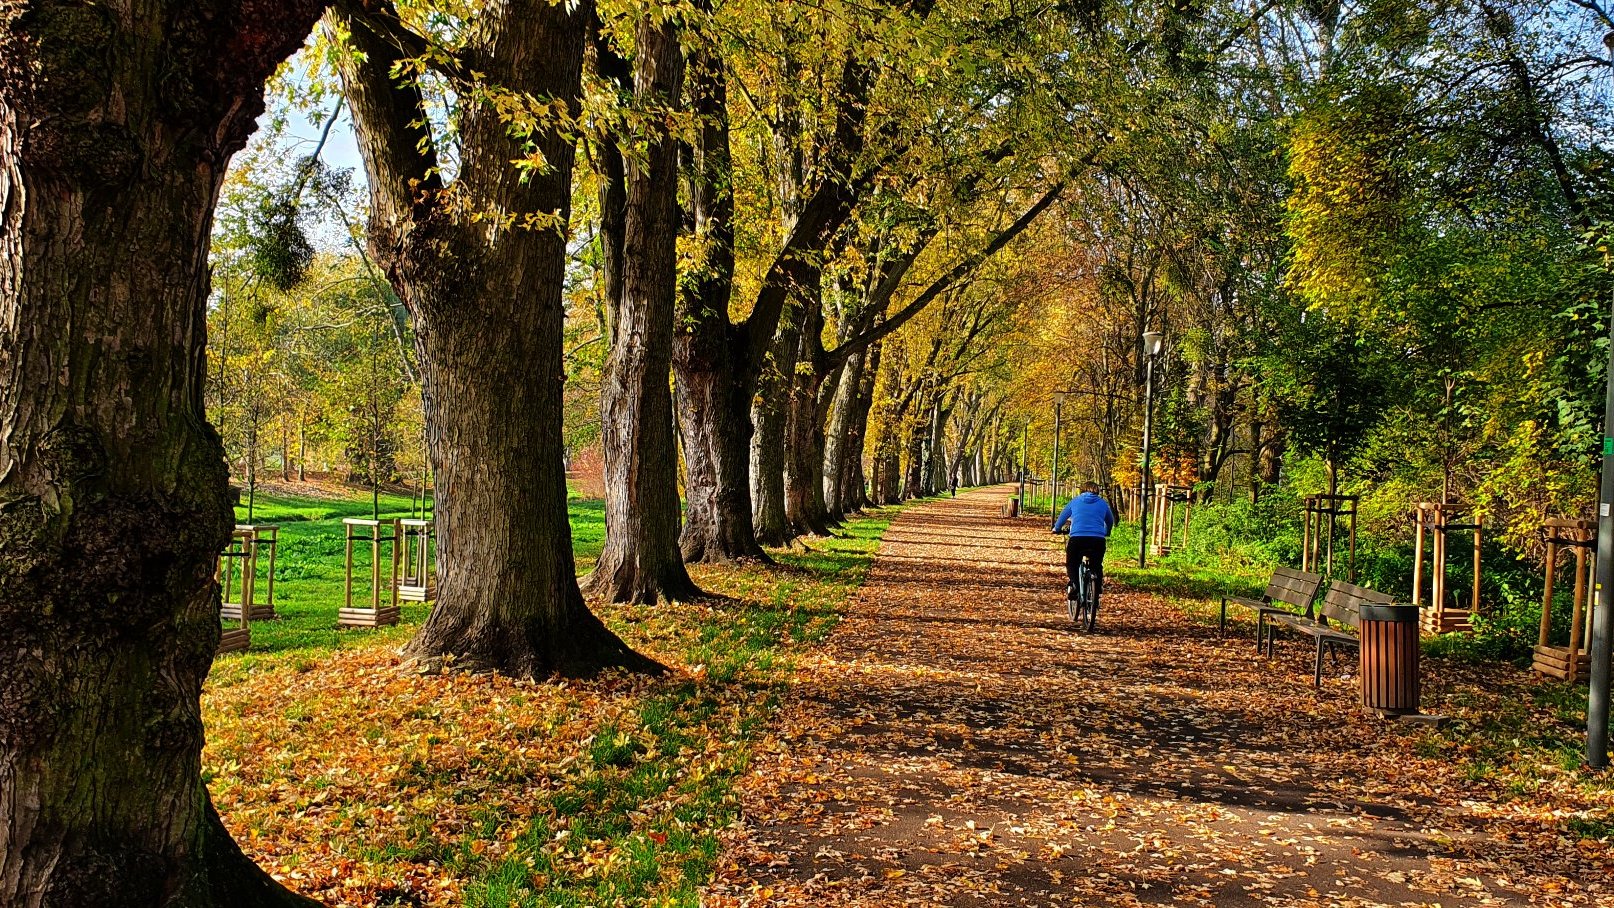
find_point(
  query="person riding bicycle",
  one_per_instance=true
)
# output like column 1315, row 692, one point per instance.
column 1091, row 519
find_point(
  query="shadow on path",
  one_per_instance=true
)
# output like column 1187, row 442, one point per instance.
column 957, row 742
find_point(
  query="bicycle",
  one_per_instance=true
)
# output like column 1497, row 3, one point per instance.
column 1083, row 608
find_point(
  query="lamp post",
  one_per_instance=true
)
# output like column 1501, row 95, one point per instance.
column 1152, row 342
column 1053, row 489
column 1597, row 697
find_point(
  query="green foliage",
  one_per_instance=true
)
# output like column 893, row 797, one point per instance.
column 1349, row 214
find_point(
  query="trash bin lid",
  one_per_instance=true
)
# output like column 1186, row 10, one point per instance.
column 1373, row 611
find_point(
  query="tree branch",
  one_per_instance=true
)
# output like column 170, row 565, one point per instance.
column 958, row 271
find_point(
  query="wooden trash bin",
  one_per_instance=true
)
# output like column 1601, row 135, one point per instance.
column 1011, row 507
column 1389, row 653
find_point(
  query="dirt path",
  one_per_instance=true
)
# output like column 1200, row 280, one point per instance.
column 956, row 742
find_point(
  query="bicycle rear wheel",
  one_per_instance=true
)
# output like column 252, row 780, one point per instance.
column 1087, row 610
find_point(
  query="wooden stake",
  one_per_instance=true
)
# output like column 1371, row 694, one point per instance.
column 1580, row 605
column 1417, row 554
column 1546, row 602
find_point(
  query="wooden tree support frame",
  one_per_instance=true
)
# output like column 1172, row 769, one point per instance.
column 1173, row 516
column 382, row 609
column 418, row 582
column 264, row 539
column 1124, row 500
column 1321, row 531
column 1572, row 662
column 1435, row 521
column 236, row 570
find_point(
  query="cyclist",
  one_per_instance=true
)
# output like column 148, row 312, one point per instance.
column 1090, row 519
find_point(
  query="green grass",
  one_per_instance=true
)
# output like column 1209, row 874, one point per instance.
column 1180, row 575
column 745, row 644
column 309, row 577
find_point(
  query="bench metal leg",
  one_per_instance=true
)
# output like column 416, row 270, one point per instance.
column 1317, row 671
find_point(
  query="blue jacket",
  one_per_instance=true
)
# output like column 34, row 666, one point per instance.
column 1088, row 516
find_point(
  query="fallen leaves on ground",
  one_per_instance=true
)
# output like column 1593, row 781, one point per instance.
column 957, row 742
column 363, row 784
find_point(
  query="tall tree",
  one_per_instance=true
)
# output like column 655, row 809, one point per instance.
column 117, row 121
column 720, row 362
column 712, row 413
column 641, row 560
column 479, row 261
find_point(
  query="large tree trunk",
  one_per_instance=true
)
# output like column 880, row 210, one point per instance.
column 854, row 487
column 804, row 430
column 117, row 121
column 888, row 442
column 770, row 415
column 838, row 438
column 913, row 449
column 641, row 561
column 488, row 313
column 713, row 413
column 728, row 434
column 805, row 507
column 936, row 479
column 716, row 424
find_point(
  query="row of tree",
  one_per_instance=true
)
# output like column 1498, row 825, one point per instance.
column 825, row 248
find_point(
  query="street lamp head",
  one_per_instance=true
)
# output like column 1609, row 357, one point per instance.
column 1152, row 342
column 1059, row 398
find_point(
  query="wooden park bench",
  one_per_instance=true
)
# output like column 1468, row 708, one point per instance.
column 1289, row 591
column 1342, row 604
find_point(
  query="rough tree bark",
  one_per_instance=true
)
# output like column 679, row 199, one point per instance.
column 804, row 433
column 770, row 415
column 713, row 414
column 480, row 263
column 721, row 365
column 840, row 444
column 117, row 121
column 854, row 487
column 913, row 449
column 641, row 561
column 887, row 443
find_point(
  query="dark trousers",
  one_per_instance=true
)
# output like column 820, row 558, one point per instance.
column 1092, row 547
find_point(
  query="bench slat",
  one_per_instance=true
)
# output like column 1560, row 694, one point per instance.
column 1344, row 600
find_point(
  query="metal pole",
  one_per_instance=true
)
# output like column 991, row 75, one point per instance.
column 1053, row 493
column 1597, row 698
column 1144, row 485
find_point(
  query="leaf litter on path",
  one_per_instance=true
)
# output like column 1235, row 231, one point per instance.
column 958, row 742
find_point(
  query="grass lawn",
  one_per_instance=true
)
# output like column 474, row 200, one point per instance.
column 308, row 569
column 362, row 784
